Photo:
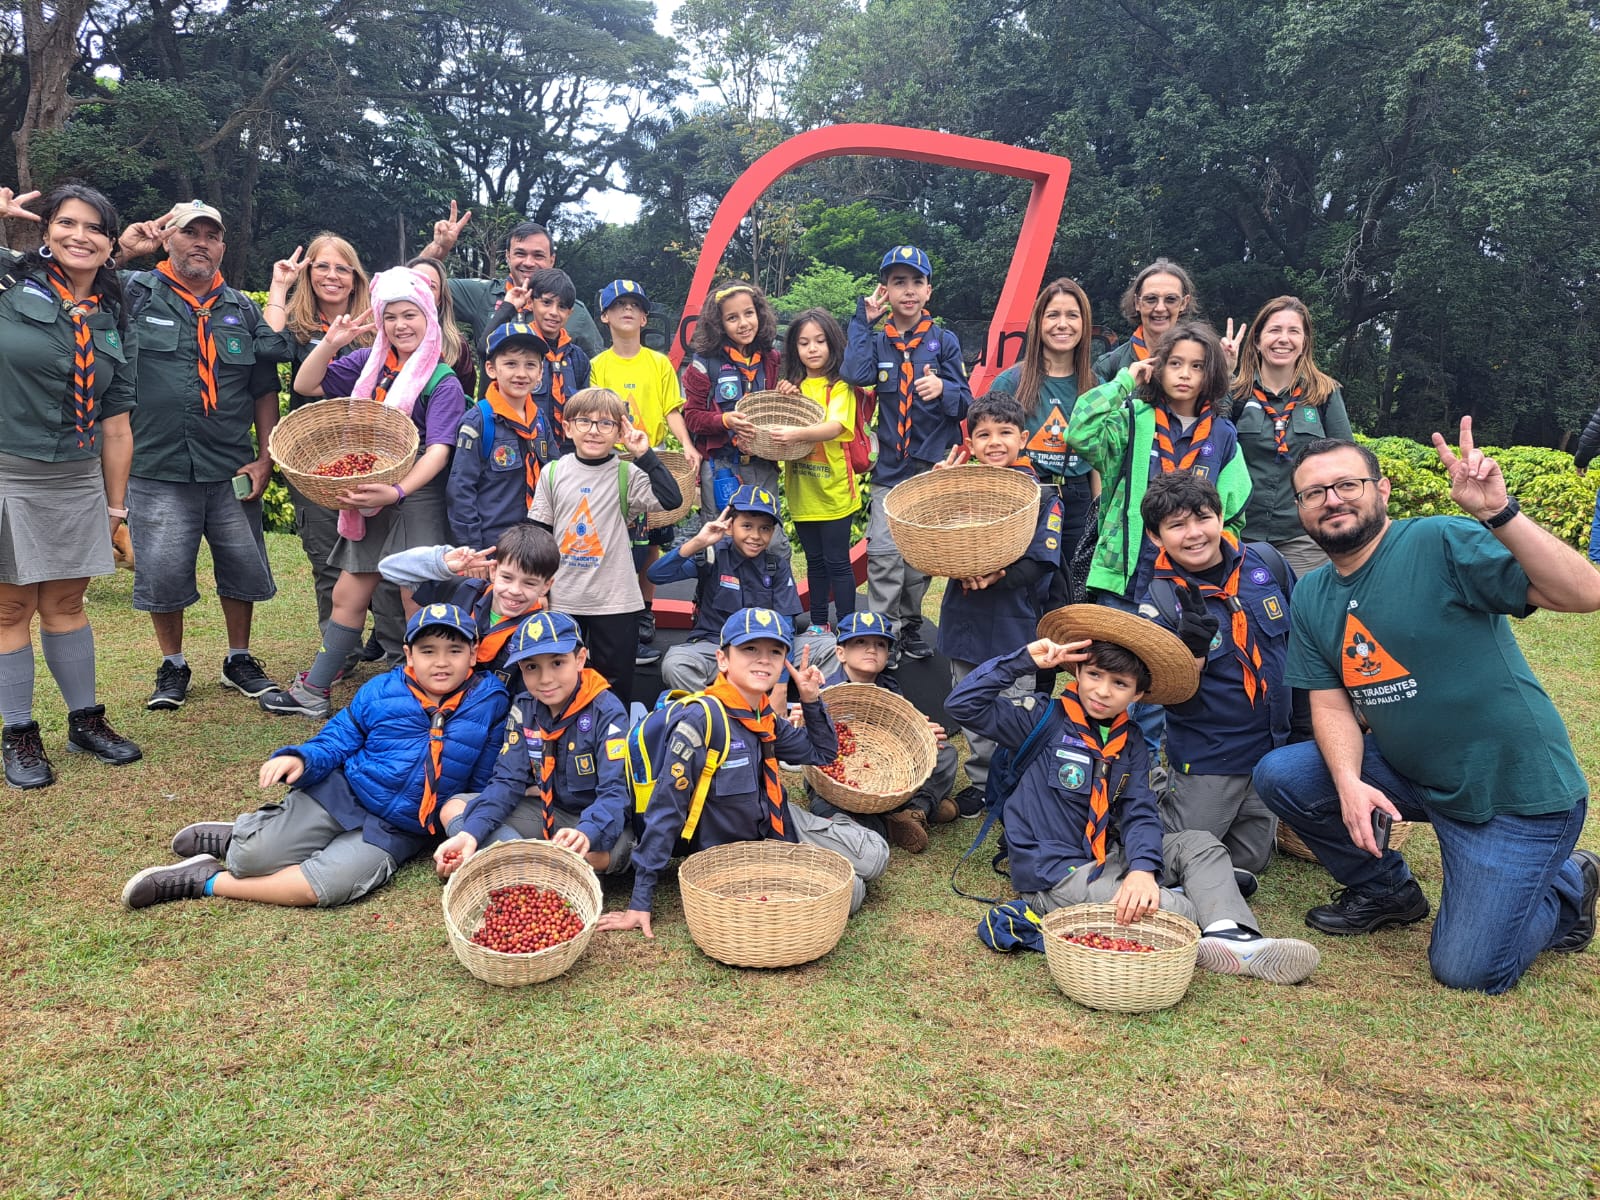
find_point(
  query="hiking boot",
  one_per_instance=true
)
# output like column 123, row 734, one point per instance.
column 908, row 829
column 646, row 655
column 203, row 837
column 1241, row 952
column 246, row 674
column 1365, row 912
column 969, row 803
column 26, row 764
column 88, row 732
column 912, row 645
column 177, row 881
column 352, row 663
column 299, row 699
column 372, row 650
column 944, row 812
column 172, row 687
column 647, row 627
column 1577, row 939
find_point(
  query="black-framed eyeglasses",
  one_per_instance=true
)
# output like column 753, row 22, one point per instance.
column 1345, row 489
column 597, row 424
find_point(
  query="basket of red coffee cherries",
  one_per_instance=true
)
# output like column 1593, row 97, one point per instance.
column 886, row 750
column 1120, row 968
column 327, row 448
column 521, row 912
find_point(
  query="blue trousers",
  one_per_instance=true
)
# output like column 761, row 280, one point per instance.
column 1594, row 533
column 1511, row 887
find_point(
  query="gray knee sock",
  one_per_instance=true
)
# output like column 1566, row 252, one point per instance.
column 16, row 686
column 70, row 657
column 337, row 642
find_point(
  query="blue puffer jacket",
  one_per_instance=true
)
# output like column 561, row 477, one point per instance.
column 381, row 741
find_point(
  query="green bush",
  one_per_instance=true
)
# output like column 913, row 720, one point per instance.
column 277, row 510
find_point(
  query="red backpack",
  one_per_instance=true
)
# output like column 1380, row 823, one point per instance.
column 861, row 449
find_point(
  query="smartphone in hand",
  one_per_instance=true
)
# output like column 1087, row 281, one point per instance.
column 1382, row 822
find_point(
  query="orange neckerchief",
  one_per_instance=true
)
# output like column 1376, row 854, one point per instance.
column 1245, row 648
column 83, row 415
column 762, row 723
column 590, row 684
column 1169, row 457
column 386, row 377
column 493, row 638
column 558, row 383
column 749, row 365
column 1094, row 830
column 1280, row 420
column 438, row 713
column 905, row 345
column 1140, row 350
column 201, row 307
column 526, row 426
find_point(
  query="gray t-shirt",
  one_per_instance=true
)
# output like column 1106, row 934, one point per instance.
column 582, row 504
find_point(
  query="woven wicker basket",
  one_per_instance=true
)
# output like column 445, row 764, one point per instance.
column 505, row 864
column 1119, row 981
column 321, row 432
column 1289, row 841
column 963, row 521
column 677, row 464
column 894, row 737
column 773, row 410
column 766, row 904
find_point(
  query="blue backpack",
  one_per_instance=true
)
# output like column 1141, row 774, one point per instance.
column 647, row 748
column 1005, row 769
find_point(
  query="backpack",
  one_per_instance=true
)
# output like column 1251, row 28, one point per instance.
column 647, row 745
column 486, row 441
column 861, row 449
column 1005, row 769
column 1164, row 594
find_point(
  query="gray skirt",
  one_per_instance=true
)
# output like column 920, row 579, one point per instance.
column 418, row 521
column 53, row 522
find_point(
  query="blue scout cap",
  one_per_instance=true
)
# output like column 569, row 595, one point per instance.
column 618, row 288
column 544, row 633
column 519, row 331
column 446, row 615
column 864, row 624
column 751, row 498
column 906, row 256
column 748, row 624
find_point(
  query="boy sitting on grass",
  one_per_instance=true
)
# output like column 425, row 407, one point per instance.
column 562, row 774
column 368, row 788
column 1082, row 825
column 745, row 801
column 864, row 642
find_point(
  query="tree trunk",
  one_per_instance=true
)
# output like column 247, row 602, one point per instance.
column 50, row 45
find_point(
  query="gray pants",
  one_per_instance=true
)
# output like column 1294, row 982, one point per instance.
column 867, row 852
column 339, row 864
column 691, row 666
column 318, row 528
column 1193, row 860
column 982, row 749
column 894, row 587
column 526, row 820
column 1227, row 807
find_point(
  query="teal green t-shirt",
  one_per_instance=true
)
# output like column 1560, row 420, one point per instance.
column 1046, row 449
column 1418, row 637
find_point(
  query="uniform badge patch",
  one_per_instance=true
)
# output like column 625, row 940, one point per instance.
column 676, row 770
column 1274, row 609
column 617, row 748
column 1053, row 522
column 584, row 764
column 504, row 456
column 1072, row 776
column 1050, row 543
column 1260, row 575
column 586, row 722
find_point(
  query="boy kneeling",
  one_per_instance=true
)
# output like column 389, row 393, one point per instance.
column 1082, row 825
column 368, row 787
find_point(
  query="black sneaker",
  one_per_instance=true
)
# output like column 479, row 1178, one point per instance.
column 26, row 764
column 894, row 659
column 176, row 881
column 912, row 645
column 88, row 732
column 203, row 837
column 298, row 699
column 646, row 655
column 372, row 651
column 1577, row 939
column 1364, row 912
column 246, row 674
column 172, row 686
column 970, row 803
column 647, row 627
column 1246, row 882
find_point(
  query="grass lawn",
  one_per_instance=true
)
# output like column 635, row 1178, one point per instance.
column 215, row 1048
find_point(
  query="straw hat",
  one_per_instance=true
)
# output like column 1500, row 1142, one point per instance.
column 1173, row 675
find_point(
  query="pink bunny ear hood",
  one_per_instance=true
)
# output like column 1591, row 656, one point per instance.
column 401, row 283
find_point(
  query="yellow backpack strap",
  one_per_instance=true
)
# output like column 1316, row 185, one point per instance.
column 715, row 755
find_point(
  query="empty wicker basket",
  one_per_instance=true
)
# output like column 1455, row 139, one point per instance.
column 896, row 749
column 766, row 904
column 1117, row 980
column 687, row 479
column 1290, row 843
column 777, row 410
column 506, row 864
column 317, row 434
column 963, row 521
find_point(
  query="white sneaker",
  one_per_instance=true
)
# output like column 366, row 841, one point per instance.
column 1239, row 952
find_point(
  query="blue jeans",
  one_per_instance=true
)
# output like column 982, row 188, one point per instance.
column 1511, row 887
column 1594, row 533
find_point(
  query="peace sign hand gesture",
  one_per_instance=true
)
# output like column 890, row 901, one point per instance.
column 1476, row 483
column 1142, row 371
column 447, row 230
column 1196, row 626
column 807, row 676
column 345, row 329
column 11, row 205
column 635, row 440
column 1231, row 342
column 286, row 270
column 147, row 237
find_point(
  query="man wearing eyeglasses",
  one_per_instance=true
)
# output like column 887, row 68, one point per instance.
column 1409, row 630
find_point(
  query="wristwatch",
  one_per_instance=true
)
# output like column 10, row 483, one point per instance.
column 1500, row 518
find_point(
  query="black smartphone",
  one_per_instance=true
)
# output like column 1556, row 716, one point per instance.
column 1381, row 822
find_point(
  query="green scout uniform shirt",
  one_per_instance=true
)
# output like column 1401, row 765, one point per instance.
column 476, row 300
column 174, row 438
column 1418, row 638
column 36, row 353
column 1271, row 515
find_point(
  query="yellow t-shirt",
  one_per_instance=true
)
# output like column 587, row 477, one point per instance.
column 821, row 486
column 647, row 384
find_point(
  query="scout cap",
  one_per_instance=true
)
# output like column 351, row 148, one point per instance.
column 750, row 624
column 1173, row 676
column 906, row 256
column 864, row 624
column 618, row 288
column 445, row 616
column 516, row 331
column 544, row 633
column 753, row 499
column 194, row 211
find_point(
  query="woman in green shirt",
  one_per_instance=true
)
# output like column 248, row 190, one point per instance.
column 66, row 389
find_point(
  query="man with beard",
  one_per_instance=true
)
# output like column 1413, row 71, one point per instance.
column 201, row 386
column 1409, row 628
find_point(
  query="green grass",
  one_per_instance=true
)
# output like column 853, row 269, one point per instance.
column 227, row 1049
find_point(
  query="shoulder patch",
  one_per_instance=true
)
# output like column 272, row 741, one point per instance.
column 1027, row 702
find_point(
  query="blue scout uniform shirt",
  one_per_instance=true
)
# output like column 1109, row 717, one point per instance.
column 1003, row 614
column 884, row 680
column 489, row 494
column 476, row 597
column 1222, row 445
column 1218, row 731
column 871, row 361
column 575, row 372
column 1046, row 815
column 730, row 582
column 591, row 779
column 736, row 806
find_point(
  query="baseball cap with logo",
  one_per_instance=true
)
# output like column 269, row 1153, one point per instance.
column 445, row 616
column 751, row 624
column 906, row 256
column 544, row 633
column 618, row 288
column 864, row 624
column 751, row 498
column 519, row 331
column 196, row 210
